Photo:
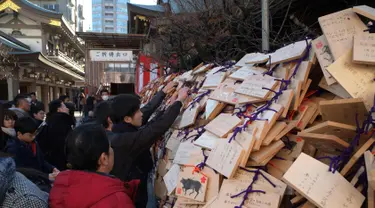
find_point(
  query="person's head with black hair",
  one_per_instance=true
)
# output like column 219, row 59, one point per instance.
column 102, row 115
column 88, row 148
column 104, row 94
column 33, row 96
column 25, row 128
column 37, row 111
column 126, row 108
column 22, row 102
column 64, row 98
column 9, row 118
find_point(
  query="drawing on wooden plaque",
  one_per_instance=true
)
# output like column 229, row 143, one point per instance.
column 192, row 185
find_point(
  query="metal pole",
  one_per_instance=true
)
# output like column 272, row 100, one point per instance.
column 265, row 26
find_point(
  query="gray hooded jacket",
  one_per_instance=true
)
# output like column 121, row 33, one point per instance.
column 16, row 191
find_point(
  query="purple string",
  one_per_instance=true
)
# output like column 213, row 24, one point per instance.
column 198, row 99
column 202, row 164
column 225, row 68
column 250, row 187
column 242, row 110
column 254, row 115
column 279, row 158
column 339, row 161
column 235, row 132
column 185, row 133
column 200, row 131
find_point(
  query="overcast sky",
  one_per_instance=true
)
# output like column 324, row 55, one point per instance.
column 148, row 2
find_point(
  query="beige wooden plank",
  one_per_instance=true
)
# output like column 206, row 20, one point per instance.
column 356, row 156
column 365, row 10
column 223, row 124
column 342, row 131
column 327, row 143
column 324, row 56
column 364, row 48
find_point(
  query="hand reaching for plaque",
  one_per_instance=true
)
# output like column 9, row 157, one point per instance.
column 183, row 94
column 170, row 87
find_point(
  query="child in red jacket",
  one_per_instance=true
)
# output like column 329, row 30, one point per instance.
column 89, row 184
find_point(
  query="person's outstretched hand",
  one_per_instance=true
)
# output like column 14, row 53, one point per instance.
column 183, row 94
column 170, row 86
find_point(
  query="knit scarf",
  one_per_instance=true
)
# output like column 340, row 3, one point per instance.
column 10, row 131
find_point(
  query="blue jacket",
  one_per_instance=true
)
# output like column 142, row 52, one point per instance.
column 24, row 156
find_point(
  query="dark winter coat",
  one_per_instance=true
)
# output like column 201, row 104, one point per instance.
column 132, row 145
column 25, row 157
column 80, row 189
column 4, row 137
column 52, row 138
column 16, row 191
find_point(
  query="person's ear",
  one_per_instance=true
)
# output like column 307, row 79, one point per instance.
column 128, row 119
column 103, row 160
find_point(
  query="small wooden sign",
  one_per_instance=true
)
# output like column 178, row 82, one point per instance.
column 289, row 53
column 339, row 29
column 265, row 152
column 365, row 10
column 286, row 130
column 282, row 71
column 336, row 89
column 173, row 143
column 311, row 109
column 171, row 178
column 252, row 58
column 325, row 57
column 343, row 110
column 277, row 168
column 285, row 100
column 296, row 86
column 324, row 189
column 370, row 168
column 223, row 124
column 213, row 108
column 295, row 148
column 327, row 143
column 254, row 86
column 246, row 177
column 202, row 68
column 225, row 93
column 356, row 79
column 364, row 48
column 259, row 200
column 207, row 140
column 304, row 91
column 247, row 142
column 357, row 155
column 343, row 131
column 192, row 185
column 245, row 71
column 185, row 152
column 213, row 80
column 275, row 130
column 303, row 72
column 189, row 116
column 225, row 157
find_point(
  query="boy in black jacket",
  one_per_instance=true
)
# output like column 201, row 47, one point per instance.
column 131, row 136
column 25, row 149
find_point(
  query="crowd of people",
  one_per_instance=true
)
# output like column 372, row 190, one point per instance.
column 104, row 161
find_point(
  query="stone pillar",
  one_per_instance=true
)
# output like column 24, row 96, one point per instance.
column 13, row 87
column 32, row 87
column 56, row 92
column 71, row 94
column 45, row 96
column 63, row 91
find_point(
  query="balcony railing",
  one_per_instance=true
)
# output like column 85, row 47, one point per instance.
column 62, row 58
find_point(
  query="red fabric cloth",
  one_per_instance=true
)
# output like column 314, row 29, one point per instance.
column 80, row 189
column 33, row 147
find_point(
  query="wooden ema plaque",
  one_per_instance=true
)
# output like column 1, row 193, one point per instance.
column 365, row 10
column 185, row 152
column 364, row 48
column 266, row 152
column 343, row 110
column 192, row 185
column 336, row 89
column 232, row 187
column 253, row 86
column 225, row 157
column 252, row 58
column 275, row 130
column 285, row 100
column 202, row 68
column 213, row 108
column 304, row 91
column 282, row 71
column 343, row 131
column 225, row 93
column 277, row 168
column 311, row 108
column 339, row 29
column 246, row 71
column 173, row 143
column 223, row 124
column 370, row 168
column 246, row 177
column 324, row 189
column 171, row 178
column 214, row 79
column 189, row 116
column 303, row 72
column 325, row 58
column 247, row 142
column 289, row 53
column 294, row 149
column 327, row 143
column 207, row 140
column 356, row 79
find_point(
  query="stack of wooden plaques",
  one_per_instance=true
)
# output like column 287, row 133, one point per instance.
column 260, row 133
